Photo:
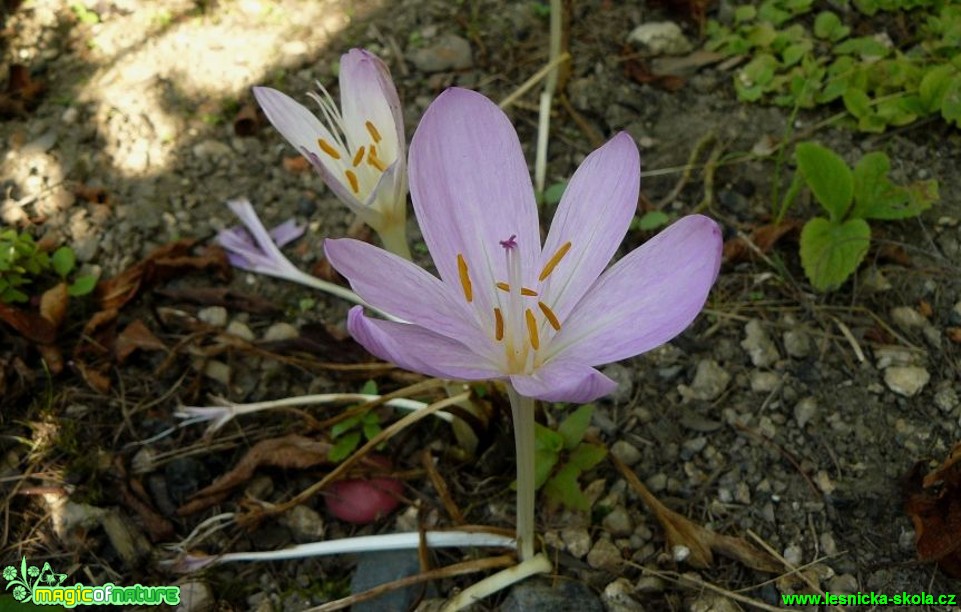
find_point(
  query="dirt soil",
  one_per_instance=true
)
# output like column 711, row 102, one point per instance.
column 782, row 416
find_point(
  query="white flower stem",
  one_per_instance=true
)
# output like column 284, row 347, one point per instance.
column 360, row 544
column 522, row 410
column 547, row 98
column 333, row 289
column 498, row 582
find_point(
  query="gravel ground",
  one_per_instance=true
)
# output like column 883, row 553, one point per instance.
column 781, row 412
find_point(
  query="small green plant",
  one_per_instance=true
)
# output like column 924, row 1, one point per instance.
column 650, row 221
column 83, row 14
column 22, row 263
column 561, row 457
column 348, row 433
column 832, row 248
column 797, row 61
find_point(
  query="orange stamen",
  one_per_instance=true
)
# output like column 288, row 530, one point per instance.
column 532, row 329
column 358, row 157
column 524, row 290
column 498, row 324
column 550, row 316
column 465, row 278
column 373, row 131
column 374, row 161
column 553, row 261
column 327, row 148
column 352, row 179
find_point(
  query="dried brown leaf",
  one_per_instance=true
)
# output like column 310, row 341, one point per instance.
column 31, row 326
column 136, row 336
column 165, row 262
column 222, row 296
column 95, row 378
column 53, row 304
column 248, row 120
column 933, row 502
column 700, row 541
column 87, row 193
column 292, row 452
column 764, row 237
column 52, row 356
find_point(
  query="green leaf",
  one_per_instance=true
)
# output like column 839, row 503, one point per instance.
column 63, row 261
column 547, row 439
column 586, row 456
column 371, row 430
column 831, row 252
column 344, row 447
column 544, row 462
column 11, row 295
column 82, row 285
column 772, row 13
column 951, row 103
column 743, row 13
column 573, row 427
column 866, row 46
column 563, row 489
column 934, row 86
column 828, row 25
column 857, row 102
column 873, row 192
column 652, row 220
column 369, row 388
column 793, row 54
column 553, row 194
column 828, row 177
column 338, row 429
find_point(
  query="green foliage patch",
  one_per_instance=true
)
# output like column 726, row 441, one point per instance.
column 561, row 457
column 23, row 265
column 802, row 56
column 832, row 248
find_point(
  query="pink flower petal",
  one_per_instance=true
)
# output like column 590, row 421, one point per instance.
column 302, row 129
column 564, row 381
column 405, row 290
column 646, row 298
column 417, row 349
column 471, row 189
column 593, row 217
column 367, row 93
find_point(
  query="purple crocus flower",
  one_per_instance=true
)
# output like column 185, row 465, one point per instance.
column 506, row 307
column 360, row 149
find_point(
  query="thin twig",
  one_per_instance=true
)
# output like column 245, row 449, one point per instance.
column 533, row 80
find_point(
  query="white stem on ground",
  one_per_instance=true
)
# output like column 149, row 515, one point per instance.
column 221, row 415
column 361, row 544
column 498, row 582
column 522, row 410
column 333, row 289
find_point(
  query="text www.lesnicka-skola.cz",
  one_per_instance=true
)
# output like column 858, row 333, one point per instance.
column 868, row 599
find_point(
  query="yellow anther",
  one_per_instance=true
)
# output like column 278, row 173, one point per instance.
column 358, row 157
column 373, row 131
column 327, row 148
column 550, row 316
column 373, row 160
column 553, row 261
column 524, row 290
column 352, row 179
column 532, row 329
column 498, row 324
column 465, row 278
